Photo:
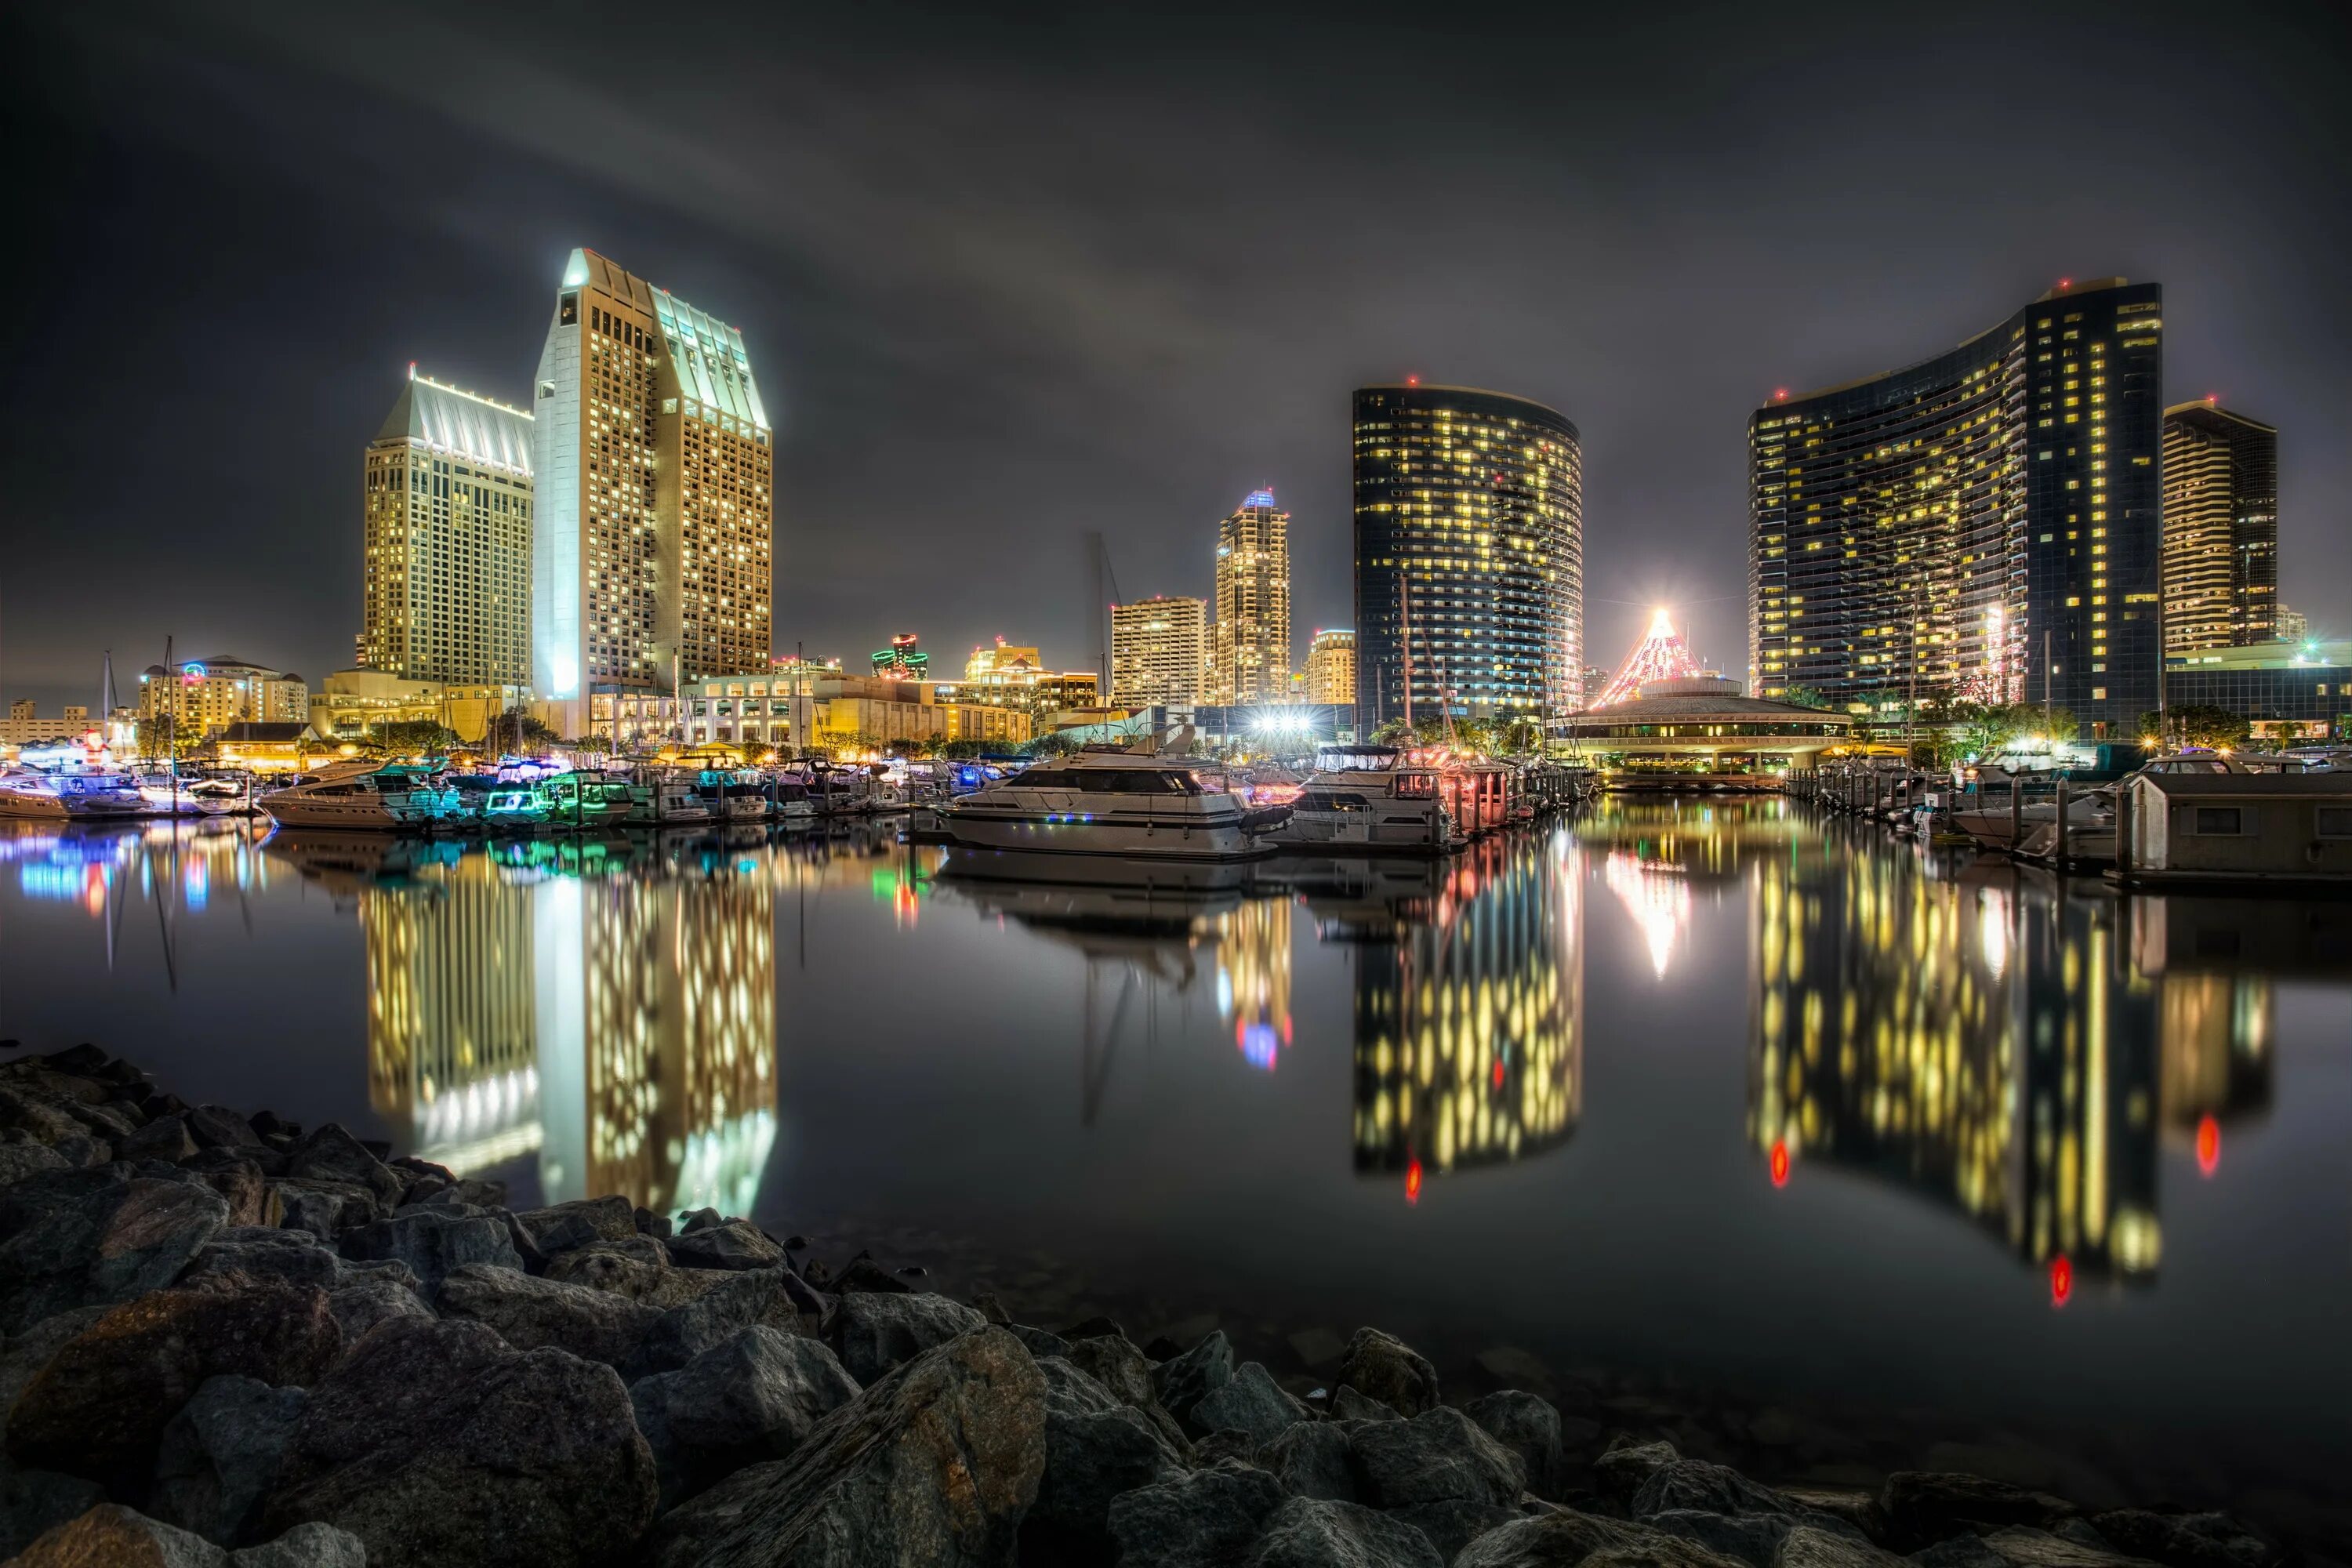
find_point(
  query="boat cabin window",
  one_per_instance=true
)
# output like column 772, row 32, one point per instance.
column 2336, row 822
column 1333, row 800
column 1416, row 787
column 2221, row 821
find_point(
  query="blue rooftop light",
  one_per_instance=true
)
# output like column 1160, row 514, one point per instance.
column 1257, row 498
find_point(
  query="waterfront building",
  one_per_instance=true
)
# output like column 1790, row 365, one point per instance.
column 755, row 711
column 1282, row 729
column 1249, row 646
column 25, row 727
column 1009, row 675
column 654, row 514
column 2292, row 626
column 2287, row 691
column 276, row 748
column 1332, row 667
column 207, row 695
column 1469, row 539
column 1159, row 652
column 2220, row 529
column 1982, row 525
column 352, row 702
column 447, row 530
column 1702, row 724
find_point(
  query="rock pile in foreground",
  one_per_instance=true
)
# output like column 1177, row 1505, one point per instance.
column 230, row 1341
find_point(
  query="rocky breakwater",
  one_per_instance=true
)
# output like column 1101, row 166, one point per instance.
column 231, row 1341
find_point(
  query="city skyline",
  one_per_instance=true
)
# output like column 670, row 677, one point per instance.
column 1623, row 309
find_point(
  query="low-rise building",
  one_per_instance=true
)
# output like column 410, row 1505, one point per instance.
column 24, row 726
column 352, row 702
column 1701, row 724
column 756, row 711
column 208, row 695
column 2287, row 691
column 265, row 748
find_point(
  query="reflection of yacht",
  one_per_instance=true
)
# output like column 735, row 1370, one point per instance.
column 1360, row 897
column 1368, row 797
column 1113, row 803
column 1165, row 878
column 1101, row 897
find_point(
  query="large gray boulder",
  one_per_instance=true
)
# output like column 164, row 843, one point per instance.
column 31, row 1501
column 1438, row 1455
column 22, row 1155
column 96, row 1236
column 637, row 1270
column 936, row 1464
column 435, row 1443
column 753, row 1398
column 1311, row 1532
column 361, row 1305
column 767, row 1298
column 101, row 1404
column 1564, row 1538
column 1383, row 1367
column 1622, row 1469
column 1453, row 1523
column 1924, row 1507
column 737, row 1244
column 219, row 1454
column 297, row 1257
column 1097, row 1447
column 1528, row 1427
column 564, row 1227
column 433, row 1244
column 323, row 1208
column 1182, row 1382
column 1696, row 1485
column 332, row 1154
column 1208, row 1518
column 529, row 1312
column 1313, row 1459
column 2186, row 1540
column 1250, row 1403
column 112, row 1536
column 1820, row 1543
column 872, row 1332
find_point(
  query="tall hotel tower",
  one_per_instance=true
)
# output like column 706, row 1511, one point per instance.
column 2220, row 529
column 653, row 455
column 1982, row 525
column 1469, row 557
column 1159, row 651
column 1249, row 654
column 447, row 595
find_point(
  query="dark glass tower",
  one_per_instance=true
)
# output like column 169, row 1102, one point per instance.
column 1983, row 525
column 1469, row 557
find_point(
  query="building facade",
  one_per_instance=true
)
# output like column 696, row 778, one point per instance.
column 2286, row 689
column 352, row 702
column 2220, row 529
column 1014, row 674
column 1249, row 649
column 446, row 595
column 208, row 695
column 757, row 712
column 1469, row 537
column 1159, row 652
column 25, row 727
column 1983, row 525
column 1332, row 667
column 651, row 551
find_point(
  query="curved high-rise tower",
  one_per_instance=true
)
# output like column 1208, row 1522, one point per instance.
column 1469, row 557
column 1982, row 525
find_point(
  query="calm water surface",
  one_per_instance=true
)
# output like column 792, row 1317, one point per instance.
column 1720, row 1089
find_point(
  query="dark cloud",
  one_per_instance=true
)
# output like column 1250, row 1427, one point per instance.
column 1007, row 279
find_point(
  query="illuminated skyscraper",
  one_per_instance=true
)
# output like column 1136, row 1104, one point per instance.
column 448, row 590
column 2220, row 529
column 1469, row 557
column 1984, row 525
column 1249, row 646
column 1159, row 651
column 651, row 555
column 1331, row 667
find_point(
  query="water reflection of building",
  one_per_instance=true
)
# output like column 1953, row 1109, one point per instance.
column 1656, row 856
column 1469, row 1029
column 621, row 1026
column 1253, row 978
column 1988, row 1044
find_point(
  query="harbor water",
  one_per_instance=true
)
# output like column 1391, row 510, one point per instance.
column 1723, row 1095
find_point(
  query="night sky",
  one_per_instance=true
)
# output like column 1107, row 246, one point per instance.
column 1005, row 281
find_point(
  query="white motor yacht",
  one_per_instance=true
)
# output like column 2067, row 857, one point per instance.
column 71, row 797
column 1370, row 797
column 366, row 797
column 1113, row 803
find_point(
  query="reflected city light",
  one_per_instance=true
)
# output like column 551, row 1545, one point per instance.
column 1657, row 898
